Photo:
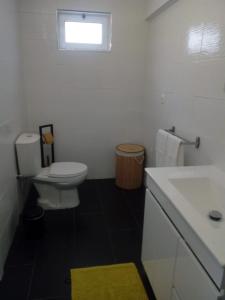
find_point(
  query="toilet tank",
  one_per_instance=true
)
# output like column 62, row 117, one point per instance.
column 28, row 154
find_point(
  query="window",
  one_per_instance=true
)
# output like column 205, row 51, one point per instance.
column 78, row 30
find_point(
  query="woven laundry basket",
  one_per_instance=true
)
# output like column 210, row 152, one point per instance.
column 129, row 166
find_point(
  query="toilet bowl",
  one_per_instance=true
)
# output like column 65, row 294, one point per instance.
column 56, row 184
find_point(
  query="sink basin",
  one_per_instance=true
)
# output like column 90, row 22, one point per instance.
column 188, row 195
column 203, row 193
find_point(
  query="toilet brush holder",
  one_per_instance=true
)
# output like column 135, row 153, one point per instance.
column 47, row 138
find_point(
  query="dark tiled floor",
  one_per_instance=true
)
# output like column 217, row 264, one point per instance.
column 105, row 229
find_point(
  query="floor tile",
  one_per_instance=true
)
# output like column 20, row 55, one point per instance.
column 50, row 273
column 139, row 218
column 60, row 222
column 105, row 229
column 92, row 244
column 126, row 245
column 135, row 198
column 15, row 283
column 145, row 281
column 114, row 207
column 22, row 251
column 51, row 269
column 88, row 198
column 54, row 298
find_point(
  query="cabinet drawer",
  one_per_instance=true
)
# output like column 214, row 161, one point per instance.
column 190, row 280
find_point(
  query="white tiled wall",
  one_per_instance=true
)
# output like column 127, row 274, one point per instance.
column 12, row 112
column 155, row 6
column 95, row 100
column 186, row 63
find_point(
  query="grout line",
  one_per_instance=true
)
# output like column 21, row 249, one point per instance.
column 30, row 283
column 99, row 201
column 107, row 228
column 123, row 230
column 47, row 298
column 32, row 274
column 19, row 265
column 133, row 216
column 90, row 213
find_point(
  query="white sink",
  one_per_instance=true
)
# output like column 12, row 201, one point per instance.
column 203, row 193
column 188, row 195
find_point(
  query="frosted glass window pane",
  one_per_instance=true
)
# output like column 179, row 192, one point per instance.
column 83, row 33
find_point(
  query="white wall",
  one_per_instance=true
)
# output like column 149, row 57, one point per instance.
column 95, row 100
column 155, row 6
column 11, row 121
column 186, row 62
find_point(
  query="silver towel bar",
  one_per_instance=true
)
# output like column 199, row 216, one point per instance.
column 185, row 142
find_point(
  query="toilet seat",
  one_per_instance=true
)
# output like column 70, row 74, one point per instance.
column 66, row 169
column 63, row 172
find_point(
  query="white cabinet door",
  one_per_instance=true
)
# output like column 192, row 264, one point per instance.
column 190, row 279
column 159, row 246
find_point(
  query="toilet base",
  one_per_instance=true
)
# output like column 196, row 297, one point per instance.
column 52, row 198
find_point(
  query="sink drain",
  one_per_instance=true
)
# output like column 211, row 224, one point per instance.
column 215, row 215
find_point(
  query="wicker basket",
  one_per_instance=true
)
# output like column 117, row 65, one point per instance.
column 129, row 166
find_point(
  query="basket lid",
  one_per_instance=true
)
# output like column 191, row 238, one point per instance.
column 130, row 148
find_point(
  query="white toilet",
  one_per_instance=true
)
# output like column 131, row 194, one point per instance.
column 57, row 184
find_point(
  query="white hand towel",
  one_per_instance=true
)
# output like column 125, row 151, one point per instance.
column 161, row 147
column 174, row 152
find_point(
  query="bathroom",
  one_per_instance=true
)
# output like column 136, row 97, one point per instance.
column 163, row 65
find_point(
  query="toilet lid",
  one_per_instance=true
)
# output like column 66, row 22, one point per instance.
column 66, row 169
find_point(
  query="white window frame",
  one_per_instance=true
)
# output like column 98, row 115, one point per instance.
column 103, row 18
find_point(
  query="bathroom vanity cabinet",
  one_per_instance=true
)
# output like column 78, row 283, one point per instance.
column 172, row 267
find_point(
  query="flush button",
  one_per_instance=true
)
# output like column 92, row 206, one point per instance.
column 215, row 215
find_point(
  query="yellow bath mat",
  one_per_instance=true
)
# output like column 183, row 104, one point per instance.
column 113, row 282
